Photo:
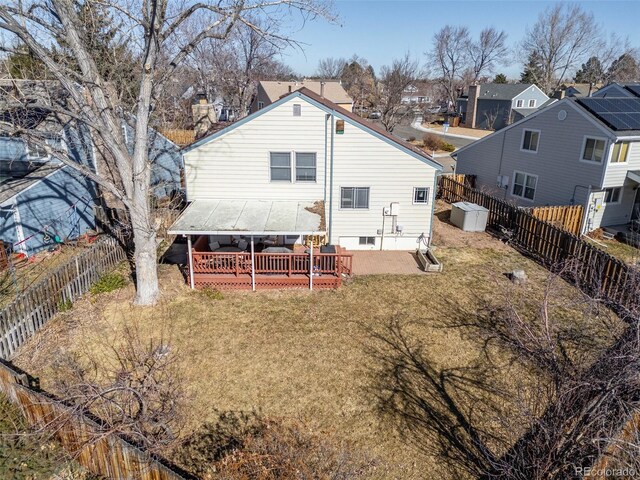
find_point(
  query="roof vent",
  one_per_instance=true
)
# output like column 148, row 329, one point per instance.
column 562, row 114
column 297, row 110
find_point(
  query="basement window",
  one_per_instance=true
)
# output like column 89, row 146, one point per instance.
column 367, row 241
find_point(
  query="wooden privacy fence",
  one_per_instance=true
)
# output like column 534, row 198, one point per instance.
column 109, row 456
column 596, row 272
column 30, row 310
column 567, row 217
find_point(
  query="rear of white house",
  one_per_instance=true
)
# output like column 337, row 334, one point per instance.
column 372, row 190
column 571, row 152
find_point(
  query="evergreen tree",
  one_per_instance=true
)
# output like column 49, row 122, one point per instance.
column 500, row 78
column 591, row 72
column 22, row 64
column 533, row 70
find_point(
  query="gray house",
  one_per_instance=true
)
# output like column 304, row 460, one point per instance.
column 493, row 106
column 617, row 90
column 576, row 151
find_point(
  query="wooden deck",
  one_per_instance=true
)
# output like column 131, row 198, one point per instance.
column 272, row 270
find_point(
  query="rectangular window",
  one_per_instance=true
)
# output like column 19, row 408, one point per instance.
column 280, row 165
column 519, row 103
column 593, row 150
column 124, row 134
column 532, row 103
column 36, row 152
column 305, row 167
column 354, row 197
column 260, row 105
column 612, row 195
column 297, row 109
column 530, row 140
column 620, row 151
column 367, row 241
column 421, row 195
column 524, row 185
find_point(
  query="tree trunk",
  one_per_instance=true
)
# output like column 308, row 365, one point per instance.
column 145, row 257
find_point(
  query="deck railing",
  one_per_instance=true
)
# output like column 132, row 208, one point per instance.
column 271, row 263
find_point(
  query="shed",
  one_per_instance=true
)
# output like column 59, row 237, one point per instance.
column 470, row 217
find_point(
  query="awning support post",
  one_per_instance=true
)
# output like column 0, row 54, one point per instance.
column 190, row 255
column 311, row 265
column 253, row 268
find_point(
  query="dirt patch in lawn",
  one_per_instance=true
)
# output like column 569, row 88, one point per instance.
column 314, row 356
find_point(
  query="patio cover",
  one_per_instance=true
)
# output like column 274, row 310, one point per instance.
column 634, row 175
column 249, row 217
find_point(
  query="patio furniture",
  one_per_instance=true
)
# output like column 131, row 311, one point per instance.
column 277, row 250
column 229, row 249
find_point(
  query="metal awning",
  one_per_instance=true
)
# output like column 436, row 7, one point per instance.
column 634, row 175
column 248, row 217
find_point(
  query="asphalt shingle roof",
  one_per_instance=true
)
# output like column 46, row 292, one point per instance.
column 502, row 91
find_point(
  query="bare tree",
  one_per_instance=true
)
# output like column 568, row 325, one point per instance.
column 487, row 52
column 330, row 68
column 563, row 36
column 451, row 55
column 394, row 80
column 158, row 31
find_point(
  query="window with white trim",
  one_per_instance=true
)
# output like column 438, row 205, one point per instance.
column 260, row 105
column 354, row 197
column 125, row 135
column 36, row 152
column 519, row 103
column 524, row 185
column 420, row 194
column 367, row 240
column 593, row 150
column 612, row 195
column 305, row 167
column 280, row 166
column 530, row 140
column 620, row 152
column 532, row 103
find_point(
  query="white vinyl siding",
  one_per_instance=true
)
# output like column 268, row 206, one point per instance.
column 593, row 149
column 236, row 166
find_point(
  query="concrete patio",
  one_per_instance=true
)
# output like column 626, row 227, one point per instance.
column 376, row 262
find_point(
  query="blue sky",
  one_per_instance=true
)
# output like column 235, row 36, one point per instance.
column 381, row 30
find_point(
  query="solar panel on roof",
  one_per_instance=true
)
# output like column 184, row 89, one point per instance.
column 617, row 113
column 635, row 89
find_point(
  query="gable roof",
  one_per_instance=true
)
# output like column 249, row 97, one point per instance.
column 332, row 89
column 502, row 91
column 338, row 111
column 11, row 188
column 565, row 101
column 614, row 90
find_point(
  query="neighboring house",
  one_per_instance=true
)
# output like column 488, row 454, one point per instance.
column 492, row 106
column 43, row 202
column 575, row 90
column 269, row 92
column 420, row 93
column 306, row 166
column 582, row 151
column 617, row 90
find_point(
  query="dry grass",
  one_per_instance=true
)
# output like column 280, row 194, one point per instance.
column 625, row 252
column 304, row 355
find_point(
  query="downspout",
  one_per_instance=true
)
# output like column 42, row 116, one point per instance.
column 433, row 206
column 506, row 188
column 326, row 130
column 331, row 180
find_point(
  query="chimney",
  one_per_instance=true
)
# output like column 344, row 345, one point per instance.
column 472, row 104
column 322, row 89
column 204, row 116
column 289, row 88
